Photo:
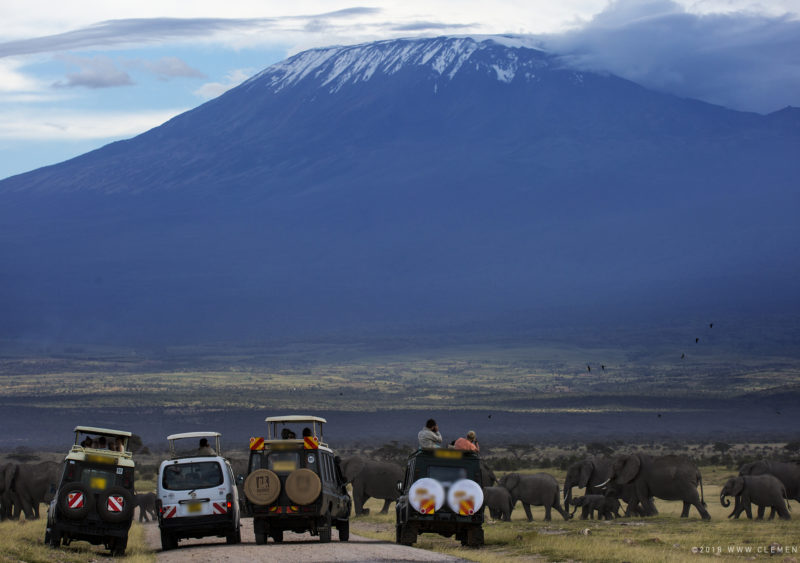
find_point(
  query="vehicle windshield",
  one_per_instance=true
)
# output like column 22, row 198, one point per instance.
column 279, row 462
column 446, row 475
column 196, row 475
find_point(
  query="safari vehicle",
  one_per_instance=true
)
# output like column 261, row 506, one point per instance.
column 294, row 482
column 441, row 494
column 94, row 501
column 196, row 494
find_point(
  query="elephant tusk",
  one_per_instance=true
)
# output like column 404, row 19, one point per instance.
column 604, row 483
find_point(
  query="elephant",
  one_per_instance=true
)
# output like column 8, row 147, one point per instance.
column 31, row 484
column 7, row 497
column 371, row 478
column 606, row 507
column 499, row 502
column 487, row 475
column 540, row 489
column 590, row 474
column 787, row 472
column 667, row 477
column 763, row 490
column 627, row 493
column 147, row 505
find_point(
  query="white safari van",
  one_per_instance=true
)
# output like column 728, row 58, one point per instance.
column 197, row 494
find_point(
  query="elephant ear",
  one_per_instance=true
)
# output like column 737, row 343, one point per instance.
column 352, row 467
column 630, row 469
column 738, row 486
column 586, row 471
column 511, row 481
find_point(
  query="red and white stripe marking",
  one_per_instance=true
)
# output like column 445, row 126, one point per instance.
column 75, row 500
column 115, row 503
column 170, row 511
column 220, row 508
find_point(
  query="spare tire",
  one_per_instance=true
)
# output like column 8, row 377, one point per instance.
column 303, row 486
column 75, row 500
column 262, row 487
column 115, row 505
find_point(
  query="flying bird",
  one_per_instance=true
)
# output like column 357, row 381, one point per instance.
column 696, row 340
column 710, row 325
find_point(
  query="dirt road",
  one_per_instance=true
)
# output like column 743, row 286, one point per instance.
column 295, row 547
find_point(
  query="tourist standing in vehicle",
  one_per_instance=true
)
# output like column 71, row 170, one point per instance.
column 429, row 437
column 470, row 443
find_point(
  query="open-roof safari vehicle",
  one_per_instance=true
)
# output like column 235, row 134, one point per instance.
column 441, row 493
column 294, row 482
column 94, row 501
column 197, row 494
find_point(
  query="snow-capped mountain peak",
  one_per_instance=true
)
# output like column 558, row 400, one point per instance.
column 445, row 57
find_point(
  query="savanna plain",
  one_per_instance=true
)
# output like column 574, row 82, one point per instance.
column 538, row 404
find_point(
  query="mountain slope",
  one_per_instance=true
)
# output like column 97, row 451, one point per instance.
column 406, row 182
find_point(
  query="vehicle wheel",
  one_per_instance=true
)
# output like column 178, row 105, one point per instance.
column 344, row 530
column 277, row 536
column 325, row 529
column 118, row 547
column 234, row 536
column 475, row 537
column 115, row 505
column 74, row 500
column 260, row 530
column 53, row 538
column 407, row 535
column 168, row 541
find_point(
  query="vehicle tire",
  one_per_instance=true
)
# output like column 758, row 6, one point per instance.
column 344, row 530
column 53, row 538
column 260, row 530
column 80, row 507
column 168, row 541
column 118, row 546
column 262, row 487
column 125, row 514
column 474, row 537
column 277, row 536
column 407, row 535
column 234, row 536
column 303, row 486
column 325, row 529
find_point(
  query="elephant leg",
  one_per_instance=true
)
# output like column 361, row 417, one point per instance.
column 685, row 511
column 547, row 513
column 385, row 509
column 564, row 513
column 761, row 510
column 359, row 498
column 528, row 514
column 584, row 512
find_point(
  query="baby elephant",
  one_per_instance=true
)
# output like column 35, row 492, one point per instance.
column 763, row 490
column 606, row 507
column 498, row 501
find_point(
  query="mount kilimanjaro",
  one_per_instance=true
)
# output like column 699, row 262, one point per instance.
column 407, row 183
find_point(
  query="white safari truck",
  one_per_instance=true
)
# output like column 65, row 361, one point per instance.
column 94, row 501
column 197, row 494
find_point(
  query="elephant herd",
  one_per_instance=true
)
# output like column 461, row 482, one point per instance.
column 635, row 479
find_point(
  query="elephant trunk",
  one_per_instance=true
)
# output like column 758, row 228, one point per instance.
column 567, row 495
column 723, row 500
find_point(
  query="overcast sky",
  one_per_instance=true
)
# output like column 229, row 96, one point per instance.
column 77, row 75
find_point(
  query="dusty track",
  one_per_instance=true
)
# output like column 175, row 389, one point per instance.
column 295, row 547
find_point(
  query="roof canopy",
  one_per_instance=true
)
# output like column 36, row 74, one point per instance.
column 295, row 418
column 101, row 431
column 194, row 435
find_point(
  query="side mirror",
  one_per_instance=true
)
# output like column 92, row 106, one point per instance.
column 399, row 486
column 240, row 479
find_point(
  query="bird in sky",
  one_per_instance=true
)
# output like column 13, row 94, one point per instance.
column 696, row 340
